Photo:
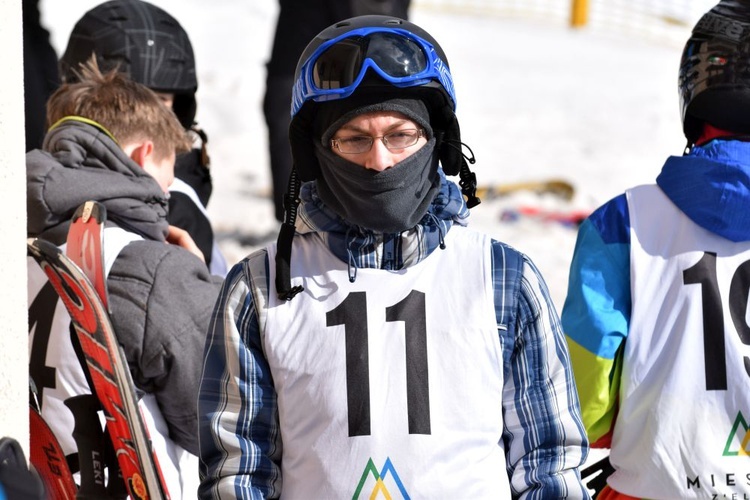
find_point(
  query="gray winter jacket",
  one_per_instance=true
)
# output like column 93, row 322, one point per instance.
column 161, row 296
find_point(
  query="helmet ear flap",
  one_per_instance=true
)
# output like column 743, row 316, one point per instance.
column 448, row 137
column 302, row 147
column 185, row 107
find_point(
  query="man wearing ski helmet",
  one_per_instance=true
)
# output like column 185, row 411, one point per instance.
column 151, row 46
column 656, row 308
column 382, row 347
column 298, row 21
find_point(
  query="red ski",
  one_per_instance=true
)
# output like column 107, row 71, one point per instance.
column 85, row 245
column 48, row 459
column 108, row 369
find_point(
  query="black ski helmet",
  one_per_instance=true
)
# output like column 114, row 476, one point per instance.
column 366, row 60
column 142, row 40
column 347, row 45
column 714, row 78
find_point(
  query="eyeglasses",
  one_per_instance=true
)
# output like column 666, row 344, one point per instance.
column 337, row 67
column 395, row 141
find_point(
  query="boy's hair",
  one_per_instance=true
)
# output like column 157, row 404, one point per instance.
column 130, row 111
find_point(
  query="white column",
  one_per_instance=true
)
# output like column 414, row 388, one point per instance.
column 14, row 409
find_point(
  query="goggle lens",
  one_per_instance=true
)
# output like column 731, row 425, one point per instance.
column 340, row 65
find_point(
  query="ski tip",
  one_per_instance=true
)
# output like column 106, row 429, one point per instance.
column 90, row 209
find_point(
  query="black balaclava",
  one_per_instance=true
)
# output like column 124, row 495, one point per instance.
column 389, row 201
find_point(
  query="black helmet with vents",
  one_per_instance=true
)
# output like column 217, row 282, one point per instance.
column 141, row 40
column 714, row 77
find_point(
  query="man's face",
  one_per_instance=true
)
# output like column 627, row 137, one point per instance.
column 395, row 127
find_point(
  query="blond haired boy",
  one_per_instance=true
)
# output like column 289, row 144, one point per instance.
column 112, row 140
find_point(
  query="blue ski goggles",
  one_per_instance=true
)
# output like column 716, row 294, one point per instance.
column 337, row 67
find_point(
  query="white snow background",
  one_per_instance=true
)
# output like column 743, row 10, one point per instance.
column 536, row 100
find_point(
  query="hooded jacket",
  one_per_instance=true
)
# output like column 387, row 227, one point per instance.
column 160, row 295
column 241, row 438
column 711, row 186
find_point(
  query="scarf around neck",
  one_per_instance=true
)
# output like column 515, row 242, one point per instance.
column 364, row 248
column 388, row 201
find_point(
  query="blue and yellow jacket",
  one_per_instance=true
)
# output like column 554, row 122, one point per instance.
column 711, row 185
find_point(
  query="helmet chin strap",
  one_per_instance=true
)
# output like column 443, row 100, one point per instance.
column 468, row 179
column 284, row 288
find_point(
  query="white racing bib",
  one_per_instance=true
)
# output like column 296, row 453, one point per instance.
column 390, row 385
column 682, row 427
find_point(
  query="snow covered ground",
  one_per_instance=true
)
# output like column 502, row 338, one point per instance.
column 536, row 100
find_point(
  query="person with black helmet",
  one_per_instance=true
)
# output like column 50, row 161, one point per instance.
column 153, row 48
column 381, row 347
column 299, row 21
column 656, row 310
column 113, row 141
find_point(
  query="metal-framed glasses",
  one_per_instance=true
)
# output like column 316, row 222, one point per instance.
column 395, row 141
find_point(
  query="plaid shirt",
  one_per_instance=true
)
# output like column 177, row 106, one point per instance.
column 543, row 437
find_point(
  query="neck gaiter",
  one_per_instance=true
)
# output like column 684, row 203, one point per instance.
column 389, row 201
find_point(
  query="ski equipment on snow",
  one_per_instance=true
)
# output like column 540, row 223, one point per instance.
column 558, row 187
column 569, row 218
